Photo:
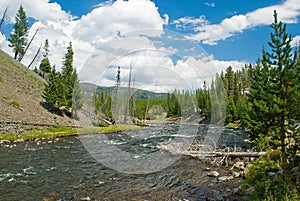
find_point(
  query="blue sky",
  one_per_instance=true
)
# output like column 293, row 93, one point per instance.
column 245, row 46
column 231, row 32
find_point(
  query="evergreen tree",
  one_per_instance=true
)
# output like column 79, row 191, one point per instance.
column 274, row 92
column 63, row 89
column 231, row 112
column 45, row 65
column 174, row 106
column 297, row 96
column 218, row 101
column 203, row 99
column 51, row 88
column 67, row 68
column 230, row 82
column 107, row 106
column 67, row 77
column 168, row 104
column 77, row 100
column 18, row 38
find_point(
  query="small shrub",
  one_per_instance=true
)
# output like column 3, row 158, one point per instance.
column 269, row 183
column 100, row 124
column 31, row 127
column 15, row 103
column 1, row 79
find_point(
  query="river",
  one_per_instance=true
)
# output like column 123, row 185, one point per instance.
column 65, row 169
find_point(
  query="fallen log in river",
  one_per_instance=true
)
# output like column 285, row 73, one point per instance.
column 220, row 154
column 201, row 152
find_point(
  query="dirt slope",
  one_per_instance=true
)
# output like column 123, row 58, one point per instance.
column 20, row 96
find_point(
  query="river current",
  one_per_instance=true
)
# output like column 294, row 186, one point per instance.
column 64, row 168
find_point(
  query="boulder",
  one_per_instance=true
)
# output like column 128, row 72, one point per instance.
column 236, row 174
column 213, row 174
column 225, row 178
column 86, row 199
column 239, row 165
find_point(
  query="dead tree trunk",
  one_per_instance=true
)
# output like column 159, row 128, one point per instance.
column 35, row 56
column 4, row 17
column 29, row 44
column 219, row 154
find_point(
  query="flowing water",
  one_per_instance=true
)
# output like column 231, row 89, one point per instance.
column 63, row 169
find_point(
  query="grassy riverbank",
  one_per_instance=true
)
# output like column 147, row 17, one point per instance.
column 61, row 131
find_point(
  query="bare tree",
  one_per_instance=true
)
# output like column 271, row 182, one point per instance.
column 36, row 31
column 36, row 56
column 129, row 94
column 5, row 17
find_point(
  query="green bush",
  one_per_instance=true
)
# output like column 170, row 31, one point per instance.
column 15, row 103
column 100, row 124
column 269, row 182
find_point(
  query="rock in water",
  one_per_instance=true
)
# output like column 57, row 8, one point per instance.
column 239, row 165
column 213, row 174
column 225, row 178
column 236, row 174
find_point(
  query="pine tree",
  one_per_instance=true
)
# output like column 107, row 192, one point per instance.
column 77, row 98
column 218, row 101
column 174, row 109
column 297, row 96
column 45, row 65
column 51, row 88
column 230, row 82
column 274, row 86
column 67, row 77
column 67, row 68
column 18, row 38
column 107, row 106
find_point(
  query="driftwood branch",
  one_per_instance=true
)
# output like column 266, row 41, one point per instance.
column 20, row 59
column 200, row 151
column 220, row 154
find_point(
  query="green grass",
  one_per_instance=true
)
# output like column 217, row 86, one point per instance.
column 233, row 125
column 118, row 128
column 60, row 131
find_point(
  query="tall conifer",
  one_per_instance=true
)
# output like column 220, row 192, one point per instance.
column 274, row 86
column 18, row 38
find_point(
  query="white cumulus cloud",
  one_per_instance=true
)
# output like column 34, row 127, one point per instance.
column 288, row 11
column 104, row 22
column 118, row 18
column 120, row 22
column 41, row 10
column 296, row 41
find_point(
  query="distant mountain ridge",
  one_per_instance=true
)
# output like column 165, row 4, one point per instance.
column 137, row 93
